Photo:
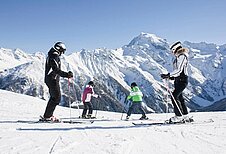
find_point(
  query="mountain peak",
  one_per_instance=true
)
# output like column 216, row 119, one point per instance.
column 148, row 39
column 151, row 37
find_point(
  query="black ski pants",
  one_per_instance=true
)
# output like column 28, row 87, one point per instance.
column 87, row 106
column 55, row 96
column 179, row 85
column 138, row 106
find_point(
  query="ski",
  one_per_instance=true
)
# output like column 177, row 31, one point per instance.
column 34, row 121
column 183, row 120
column 136, row 119
column 88, row 119
column 158, row 123
column 168, row 123
column 43, row 120
column 70, row 121
column 52, row 122
column 78, row 121
column 80, row 117
column 147, row 124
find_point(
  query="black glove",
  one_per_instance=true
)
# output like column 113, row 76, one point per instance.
column 70, row 74
column 165, row 76
column 172, row 78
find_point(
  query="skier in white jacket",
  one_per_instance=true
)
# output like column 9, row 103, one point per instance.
column 180, row 77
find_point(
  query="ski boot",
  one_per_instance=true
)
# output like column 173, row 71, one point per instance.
column 50, row 119
column 84, row 117
column 89, row 116
column 144, row 118
column 127, row 117
column 188, row 119
column 176, row 119
column 54, row 119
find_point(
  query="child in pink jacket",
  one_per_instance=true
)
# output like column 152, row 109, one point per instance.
column 86, row 99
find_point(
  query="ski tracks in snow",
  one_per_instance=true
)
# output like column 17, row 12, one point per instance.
column 114, row 137
column 66, row 143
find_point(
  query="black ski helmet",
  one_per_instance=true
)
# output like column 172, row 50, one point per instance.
column 60, row 47
column 91, row 83
column 133, row 84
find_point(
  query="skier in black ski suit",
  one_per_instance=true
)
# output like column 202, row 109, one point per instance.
column 180, row 77
column 52, row 74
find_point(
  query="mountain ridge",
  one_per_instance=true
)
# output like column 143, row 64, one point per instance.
column 142, row 61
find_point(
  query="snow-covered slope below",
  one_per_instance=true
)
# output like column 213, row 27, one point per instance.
column 102, row 137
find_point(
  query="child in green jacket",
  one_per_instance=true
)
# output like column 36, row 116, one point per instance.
column 136, row 97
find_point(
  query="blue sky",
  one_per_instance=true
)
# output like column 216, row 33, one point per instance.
column 35, row 25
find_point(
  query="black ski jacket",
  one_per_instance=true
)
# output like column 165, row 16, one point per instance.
column 53, row 67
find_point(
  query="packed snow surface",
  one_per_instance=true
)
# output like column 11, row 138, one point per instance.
column 108, row 136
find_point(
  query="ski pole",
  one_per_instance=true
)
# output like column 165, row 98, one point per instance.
column 122, row 112
column 167, row 87
column 77, row 102
column 69, row 91
column 79, row 115
column 69, row 97
column 166, row 82
column 123, row 107
column 96, row 109
column 96, row 106
column 171, row 96
column 98, row 102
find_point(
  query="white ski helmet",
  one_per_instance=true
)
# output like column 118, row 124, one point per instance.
column 60, row 47
column 175, row 47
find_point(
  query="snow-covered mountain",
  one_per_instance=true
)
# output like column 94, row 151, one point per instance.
column 107, row 135
column 142, row 61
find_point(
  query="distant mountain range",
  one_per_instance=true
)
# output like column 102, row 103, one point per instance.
column 141, row 61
